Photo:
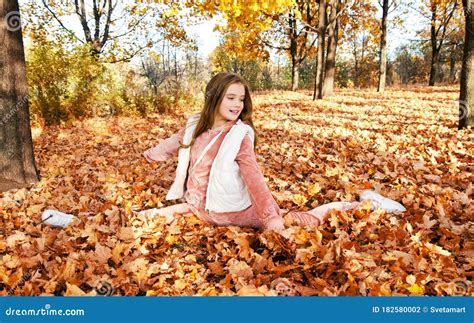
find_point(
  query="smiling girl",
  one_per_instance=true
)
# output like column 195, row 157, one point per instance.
column 217, row 173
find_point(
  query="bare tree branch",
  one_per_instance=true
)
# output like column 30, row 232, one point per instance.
column 266, row 43
column 131, row 29
column 97, row 16
column 60, row 22
column 81, row 12
column 129, row 57
column 107, row 24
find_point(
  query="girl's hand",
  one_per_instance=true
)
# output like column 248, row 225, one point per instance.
column 149, row 155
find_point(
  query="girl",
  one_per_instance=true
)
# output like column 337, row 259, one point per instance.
column 217, row 172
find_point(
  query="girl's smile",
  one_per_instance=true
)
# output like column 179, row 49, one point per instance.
column 232, row 104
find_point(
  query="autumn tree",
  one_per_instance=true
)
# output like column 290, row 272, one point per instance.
column 327, row 26
column 453, row 55
column 336, row 8
column 300, row 42
column 361, row 32
column 439, row 13
column 388, row 7
column 268, row 24
column 334, row 16
column 383, row 46
column 466, row 99
column 17, row 162
column 322, row 24
column 410, row 64
column 114, row 29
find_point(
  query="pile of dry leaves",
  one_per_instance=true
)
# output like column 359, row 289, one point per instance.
column 403, row 143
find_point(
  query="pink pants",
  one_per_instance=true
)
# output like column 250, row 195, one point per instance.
column 315, row 216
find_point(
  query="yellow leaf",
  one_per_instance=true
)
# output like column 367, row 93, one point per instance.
column 192, row 274
column 416, row 289
column 118, row 248
column 299, row 199
column 34, row 209
column 314, row 189
column 180, row 284
column 171, row 239
column 332, row 172
column 73, row 290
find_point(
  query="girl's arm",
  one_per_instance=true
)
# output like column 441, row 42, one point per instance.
column 267, row 209
column 166, row 149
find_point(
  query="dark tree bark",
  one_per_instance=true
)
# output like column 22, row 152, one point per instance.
column 330, row 66
column 438, row 35
column 17, row 162
column 98, row 36
column 294, row 52
column 466, row 98
column 318, row 84
column 383, row 48
column 434, row 48
column 299, row 45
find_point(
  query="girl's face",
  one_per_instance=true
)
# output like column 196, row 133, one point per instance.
column 232, row 104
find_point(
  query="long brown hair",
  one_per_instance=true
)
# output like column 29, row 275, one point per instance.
column 215, row 91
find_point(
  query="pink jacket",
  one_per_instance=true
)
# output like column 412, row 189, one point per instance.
column 264, row 209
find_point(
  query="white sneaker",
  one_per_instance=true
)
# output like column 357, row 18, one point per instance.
column 381, row 202
column 56, row 218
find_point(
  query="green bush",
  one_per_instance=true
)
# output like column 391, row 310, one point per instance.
column 63, row 84
column 68, row 84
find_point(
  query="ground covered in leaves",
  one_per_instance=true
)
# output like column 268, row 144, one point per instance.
column 403, row 143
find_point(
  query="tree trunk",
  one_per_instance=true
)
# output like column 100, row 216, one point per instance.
column 294, row 52
column 466, row 98
column 355, row 51
column 318, row 84
column 17, row 162
column 452, row 66
column 295, row 76
column 434, row 47
column 452, row 69
column 434, row 66
column 330, row 66
column 383, row 49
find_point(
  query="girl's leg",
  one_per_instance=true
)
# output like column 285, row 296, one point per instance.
column 168, row 212
column 317, row 215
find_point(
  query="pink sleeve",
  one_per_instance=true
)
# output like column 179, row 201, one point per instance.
column 168, row 147
column 262, row 200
